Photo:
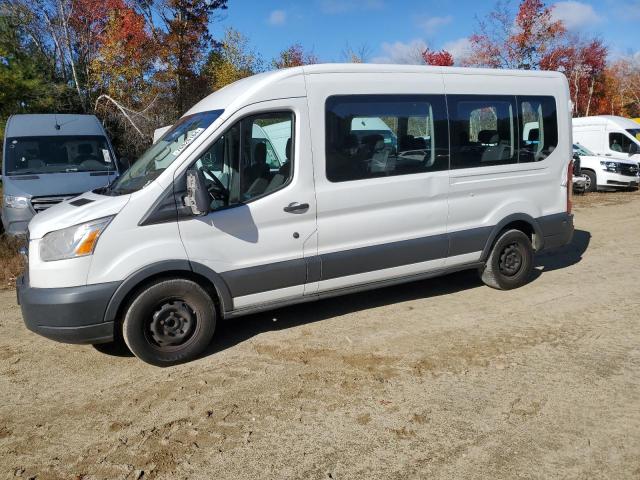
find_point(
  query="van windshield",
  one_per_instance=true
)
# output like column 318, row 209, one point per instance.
column 57, row 154
column 635, row 133
column 163, row 153
column 582, row 150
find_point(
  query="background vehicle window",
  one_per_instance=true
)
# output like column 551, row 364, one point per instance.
column 483, row 130
column 251, row 159
column 39, row 155
column 538, row 127
column 370, row 136
column 619, row 142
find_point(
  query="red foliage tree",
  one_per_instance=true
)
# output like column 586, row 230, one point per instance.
column 505, row 41
column 584, row 64
column 440, row 58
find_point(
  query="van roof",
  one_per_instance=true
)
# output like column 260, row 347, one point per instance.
column 262, row 86
column 620, row 122
column 36, row 125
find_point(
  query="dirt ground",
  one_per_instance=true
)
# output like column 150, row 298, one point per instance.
column 438, row 379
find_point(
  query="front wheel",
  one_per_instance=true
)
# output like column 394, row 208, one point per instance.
column 169, row 322
column 510, row 262
column 592, row 181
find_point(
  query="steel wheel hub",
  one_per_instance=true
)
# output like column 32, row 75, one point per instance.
column 172, row 324
column 510, row 260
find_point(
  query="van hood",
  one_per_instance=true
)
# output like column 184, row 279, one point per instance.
column 88, row 206
column 55, row 184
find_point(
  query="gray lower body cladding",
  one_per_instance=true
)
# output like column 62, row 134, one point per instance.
column 86, row 314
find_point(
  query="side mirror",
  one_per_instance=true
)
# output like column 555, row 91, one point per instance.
column 633, row 149
column 197, row 199
column 125, row 163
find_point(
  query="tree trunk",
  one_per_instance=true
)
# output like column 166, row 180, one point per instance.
column 590, row 95
column 65, row 25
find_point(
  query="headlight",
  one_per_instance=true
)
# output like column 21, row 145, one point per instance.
column 16, row 202
column 76, row 241
column 611, row 166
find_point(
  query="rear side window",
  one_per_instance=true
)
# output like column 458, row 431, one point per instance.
column 370, row 136
column 538, row 127
column 483, row 130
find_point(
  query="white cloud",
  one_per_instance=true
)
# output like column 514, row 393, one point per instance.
column 575, row 15
column 401, row 52
column 431, row 24
column 333, row 7
column 277, row 18
column 459, row 48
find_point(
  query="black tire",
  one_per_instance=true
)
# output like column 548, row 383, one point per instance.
column 169, row 322
column 592, row 180
column 510, row 262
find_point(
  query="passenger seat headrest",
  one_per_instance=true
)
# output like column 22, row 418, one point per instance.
column 488, row 136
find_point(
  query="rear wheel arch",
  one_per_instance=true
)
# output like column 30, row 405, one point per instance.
column 518, row 221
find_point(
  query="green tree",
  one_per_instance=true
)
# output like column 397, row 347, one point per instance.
column 25, row 82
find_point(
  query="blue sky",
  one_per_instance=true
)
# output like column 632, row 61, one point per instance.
column 393, row 30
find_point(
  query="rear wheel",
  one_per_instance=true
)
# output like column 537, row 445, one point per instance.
column 592, row 181
column 169, row 322
column 510, row 262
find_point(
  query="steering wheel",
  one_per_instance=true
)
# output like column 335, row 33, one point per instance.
column 216, row 188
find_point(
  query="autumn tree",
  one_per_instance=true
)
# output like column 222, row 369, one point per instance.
column 440, row 58
column 232, row 59
column 186, row 40
column 522, row 41
column 294, row 56
column 622, row 86
column 584, row 64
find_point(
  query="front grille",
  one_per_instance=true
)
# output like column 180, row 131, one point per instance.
column 40, row 204
column 629, row 170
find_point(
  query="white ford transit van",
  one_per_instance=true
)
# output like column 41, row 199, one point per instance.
column 609, row 135
column 305, row 183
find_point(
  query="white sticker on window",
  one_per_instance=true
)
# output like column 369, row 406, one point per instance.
column 106, row 155
column 190, row 137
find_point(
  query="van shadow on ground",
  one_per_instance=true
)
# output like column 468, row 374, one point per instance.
column 232, row 332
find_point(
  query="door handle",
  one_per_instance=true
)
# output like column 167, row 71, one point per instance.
column 607, row 154
column 295, row 207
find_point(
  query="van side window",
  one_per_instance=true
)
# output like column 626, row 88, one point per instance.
column 370, row 136
column 538, row 128
column 619, row 142
column 483, row 130
column 251, row 159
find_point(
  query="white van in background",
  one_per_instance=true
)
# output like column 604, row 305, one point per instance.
column 48, row 158
column 606, row 173
column 608, row 135
column 198, row 229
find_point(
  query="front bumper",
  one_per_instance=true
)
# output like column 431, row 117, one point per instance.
column 612, row 180
column 69, row 315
